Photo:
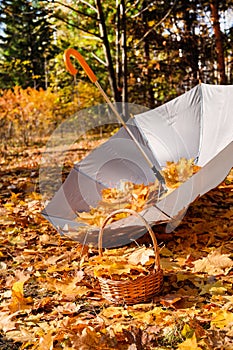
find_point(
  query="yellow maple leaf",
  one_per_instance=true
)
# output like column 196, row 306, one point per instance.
column 119, row 269
column 114, row 312
column 222, row 318
column 189, row 343
column 18, row 301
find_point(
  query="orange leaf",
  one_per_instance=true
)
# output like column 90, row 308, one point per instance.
column 18, row 302
column 46, row 342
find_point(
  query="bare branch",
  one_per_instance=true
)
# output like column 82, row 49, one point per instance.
column 76, row 11
column 144, row 9
column 76, row 26
column 132, row 5
column 89, row 5
column 156, row 25
column 99, row 59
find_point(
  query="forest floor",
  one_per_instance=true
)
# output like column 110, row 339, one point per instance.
column 48, row 303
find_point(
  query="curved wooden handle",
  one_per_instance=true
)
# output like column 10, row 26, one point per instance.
column 132, row 212
column 72, row 52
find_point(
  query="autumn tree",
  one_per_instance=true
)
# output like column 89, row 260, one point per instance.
column 25, row 43
column 142, row 51
column 219, row 46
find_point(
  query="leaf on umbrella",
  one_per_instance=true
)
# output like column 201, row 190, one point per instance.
column 128, row 196
column 136, row 196
column 176, row 173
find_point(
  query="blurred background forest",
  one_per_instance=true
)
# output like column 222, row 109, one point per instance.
column 142, row 51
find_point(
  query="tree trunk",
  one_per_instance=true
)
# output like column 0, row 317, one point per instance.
column 124, row 54
column 150, row 100
column 104, row 36
column 150, row 93
column 118, row 46
column 214, row 6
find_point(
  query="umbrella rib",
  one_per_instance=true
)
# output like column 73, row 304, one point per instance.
column 89, row 177
column 163, row 212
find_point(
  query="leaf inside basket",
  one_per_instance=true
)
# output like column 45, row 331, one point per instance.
column 141, row 256
column 123, row 263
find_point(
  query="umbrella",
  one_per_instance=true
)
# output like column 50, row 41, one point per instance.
column 197, row 124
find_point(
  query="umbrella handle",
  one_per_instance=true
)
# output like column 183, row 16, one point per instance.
column 72, row 52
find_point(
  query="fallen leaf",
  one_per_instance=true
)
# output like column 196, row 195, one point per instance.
column 6, row 323
column 46, row 342
column 187, row 331
column 18, row 302
column 114, row 312
column 170, row 300
column 69, row 288
column 189, row 343
column 222, row 318
column 214, row 264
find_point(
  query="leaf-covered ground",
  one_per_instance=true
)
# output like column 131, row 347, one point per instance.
column 48, row 303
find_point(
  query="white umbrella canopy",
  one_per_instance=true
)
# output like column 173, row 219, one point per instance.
column 197, row 124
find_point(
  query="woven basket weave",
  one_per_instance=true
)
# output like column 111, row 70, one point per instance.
column 141, row 289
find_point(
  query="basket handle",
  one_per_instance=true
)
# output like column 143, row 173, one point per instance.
column 72, row 52
column 132, row 212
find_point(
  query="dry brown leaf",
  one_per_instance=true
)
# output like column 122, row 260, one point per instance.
column 69, row 288
column 170, row 300
column 6, row 323
column 214, row 264
column 141, row 256
column 88, row 339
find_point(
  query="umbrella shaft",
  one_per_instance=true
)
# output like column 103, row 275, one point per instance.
column 120, row 119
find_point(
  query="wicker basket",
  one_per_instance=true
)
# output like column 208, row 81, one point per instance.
column 141, row 289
